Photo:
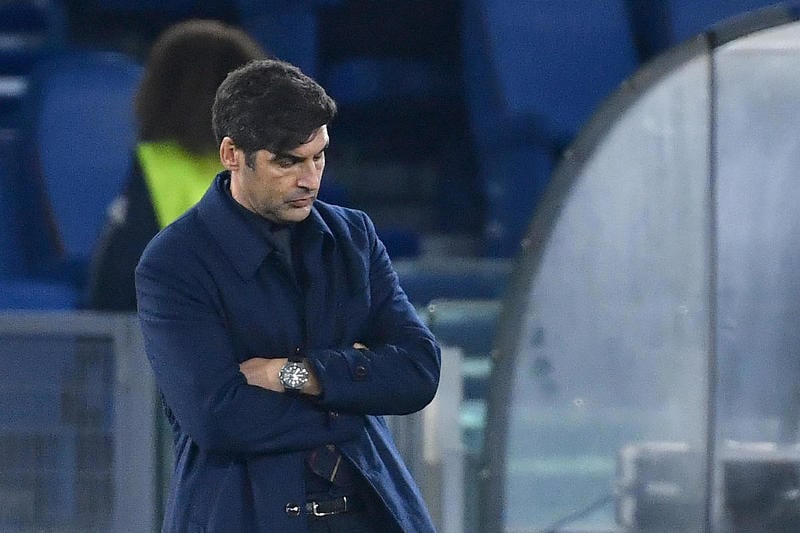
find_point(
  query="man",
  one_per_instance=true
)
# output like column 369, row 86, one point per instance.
column 278, row 334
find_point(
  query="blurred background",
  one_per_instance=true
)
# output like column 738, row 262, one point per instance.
column 591, row 203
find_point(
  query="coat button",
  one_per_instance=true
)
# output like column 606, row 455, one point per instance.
column 292, row 509
column 361, row 371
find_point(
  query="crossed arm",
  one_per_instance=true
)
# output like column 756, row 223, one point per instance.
column 263, row 372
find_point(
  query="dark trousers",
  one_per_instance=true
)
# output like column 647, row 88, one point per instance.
column 352, row 522
column 371, row 517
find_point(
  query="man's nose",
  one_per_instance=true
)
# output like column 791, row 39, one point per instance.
column 310, row 175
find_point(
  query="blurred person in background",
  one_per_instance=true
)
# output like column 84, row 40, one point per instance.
column 279, row 334
column 176, row 156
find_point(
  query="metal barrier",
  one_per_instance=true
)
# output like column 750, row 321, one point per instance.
column 83, row 446
column 78, row 433
column 430, row 442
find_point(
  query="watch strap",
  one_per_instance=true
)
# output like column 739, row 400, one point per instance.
column 297, row 356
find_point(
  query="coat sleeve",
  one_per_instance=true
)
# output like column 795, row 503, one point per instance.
column 398, row 373
column 196, row 368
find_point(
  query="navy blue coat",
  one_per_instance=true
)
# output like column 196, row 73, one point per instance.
column 212, row 293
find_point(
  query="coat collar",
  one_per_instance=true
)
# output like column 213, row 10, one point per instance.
column 240, row 241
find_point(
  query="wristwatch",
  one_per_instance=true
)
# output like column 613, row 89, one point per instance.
column 294, row 374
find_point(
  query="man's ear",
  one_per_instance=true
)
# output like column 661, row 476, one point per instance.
column 228, row 154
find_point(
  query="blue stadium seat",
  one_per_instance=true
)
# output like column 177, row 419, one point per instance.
column 362, row 80
column 183, row 8
column 27, row 234
column 426, row 280
column 689, row 18
column 558, row 59
column 18, row 288
column 661, row 24
column 511, row 149
column 286, row 30
column 29, row 29
column 29, row 294
column 467, row 323
column 12, row 258
column 400, row 242
column 79, row 128
column 535, row 72
column 367, row 55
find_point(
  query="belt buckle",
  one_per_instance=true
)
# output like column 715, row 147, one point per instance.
column 316, row 512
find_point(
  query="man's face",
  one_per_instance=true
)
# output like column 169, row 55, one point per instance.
column 282, row 187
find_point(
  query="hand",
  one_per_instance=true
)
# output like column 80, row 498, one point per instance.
column 263, row 372
column 359, row 346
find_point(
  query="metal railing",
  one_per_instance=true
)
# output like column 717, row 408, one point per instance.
column 78, row 428
column 83, row 446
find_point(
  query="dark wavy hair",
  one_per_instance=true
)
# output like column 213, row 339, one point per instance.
column 269, row 105
column 185, row 66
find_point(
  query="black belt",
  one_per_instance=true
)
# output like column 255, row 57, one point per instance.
column 342, row 504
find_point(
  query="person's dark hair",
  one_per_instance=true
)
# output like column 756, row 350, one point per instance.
column 269, row 105
column 185, row 66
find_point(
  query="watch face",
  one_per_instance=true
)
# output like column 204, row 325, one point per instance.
column 293, row 376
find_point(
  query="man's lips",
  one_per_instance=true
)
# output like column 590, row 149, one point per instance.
column 301, row 202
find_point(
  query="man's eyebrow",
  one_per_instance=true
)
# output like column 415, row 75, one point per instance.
column 296, row 159
column 287, row 156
